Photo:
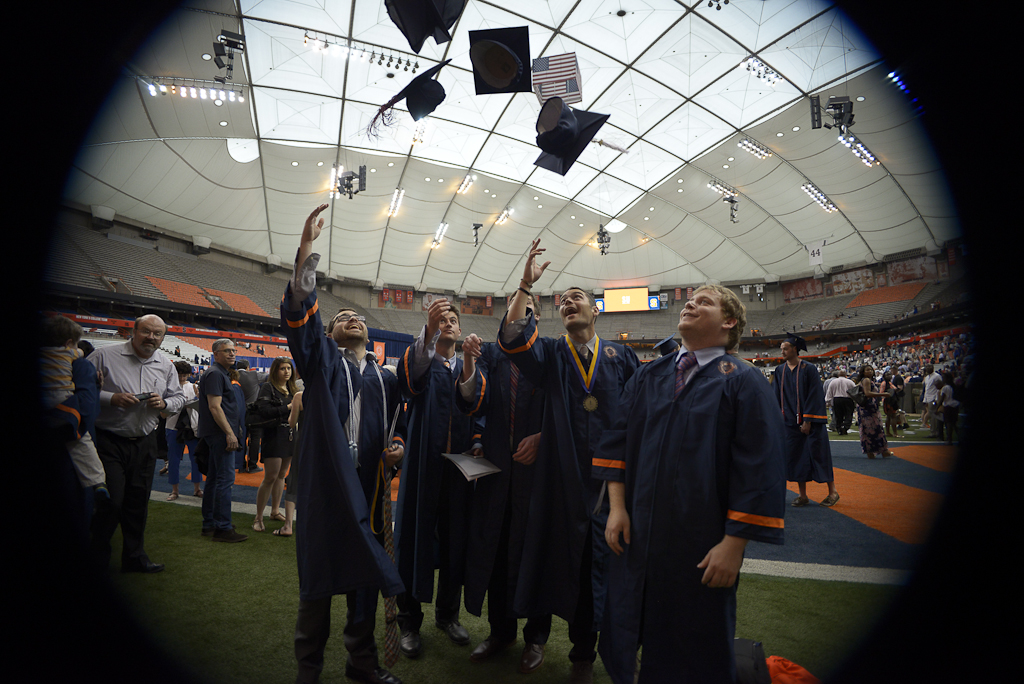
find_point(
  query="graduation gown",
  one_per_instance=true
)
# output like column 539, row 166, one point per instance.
column 433, row 420
column 562, row 507
column 511, row 487
column 696, row 468
column 336, row 550
column 376, row 412
column 801, row 396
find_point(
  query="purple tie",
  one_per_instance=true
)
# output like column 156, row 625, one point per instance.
column 685, row 363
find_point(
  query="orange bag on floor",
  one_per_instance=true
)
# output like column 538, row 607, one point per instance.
column 787, row 672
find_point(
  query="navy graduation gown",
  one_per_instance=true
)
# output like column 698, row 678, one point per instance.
column 373, row 436
column 801, row 397
column 511, row 487
column 433, row 419
column 336, row 550
column 696, row 468
column 562, row 508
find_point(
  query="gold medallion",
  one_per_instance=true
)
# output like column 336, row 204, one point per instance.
column 590, row 402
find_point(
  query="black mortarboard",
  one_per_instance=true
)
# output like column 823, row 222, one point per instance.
column 501, row 60
column 418, row 19
column 667, row 346
column 422, row 96
column 563, row 132
column 797, row 341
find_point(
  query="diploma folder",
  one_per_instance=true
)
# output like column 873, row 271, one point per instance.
column 472, row 468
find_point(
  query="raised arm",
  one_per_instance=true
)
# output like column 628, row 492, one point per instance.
column 310, row 232
column 532, row 272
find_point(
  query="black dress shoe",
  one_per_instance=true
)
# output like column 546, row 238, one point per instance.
column 378, row 676
column 456, row 632
column 147, row 567
column 410, row 644
column 581, row 673
column 533, row 656
column 488, row 647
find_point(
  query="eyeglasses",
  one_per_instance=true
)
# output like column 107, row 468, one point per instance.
column 345, row 318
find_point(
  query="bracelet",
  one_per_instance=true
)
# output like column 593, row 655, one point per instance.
column 525, row 292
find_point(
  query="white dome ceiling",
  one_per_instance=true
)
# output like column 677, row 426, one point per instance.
column 669, row 73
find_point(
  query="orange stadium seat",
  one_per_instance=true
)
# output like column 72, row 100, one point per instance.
column 887, row 295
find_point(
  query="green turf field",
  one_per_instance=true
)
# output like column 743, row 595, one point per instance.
column 228, row 611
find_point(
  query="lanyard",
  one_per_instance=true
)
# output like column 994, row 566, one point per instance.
column 585, row 376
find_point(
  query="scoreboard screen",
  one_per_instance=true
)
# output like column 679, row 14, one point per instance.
column 628, row 299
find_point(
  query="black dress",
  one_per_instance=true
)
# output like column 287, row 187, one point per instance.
column 272, row 403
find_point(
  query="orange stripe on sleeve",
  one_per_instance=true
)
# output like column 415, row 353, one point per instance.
column 483, row 388
column 750, row 518
column 608, row 463
column 76, row 414
column 408, row 379
column 305, row 319
column 517, row 350
column 809, row 415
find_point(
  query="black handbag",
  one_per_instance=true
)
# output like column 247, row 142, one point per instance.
column 252, row 412
column 185, row 432
column 857, row 394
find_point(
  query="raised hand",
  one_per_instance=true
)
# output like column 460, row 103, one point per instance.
column 311, row 231
column 435, row 316
column 532, row 272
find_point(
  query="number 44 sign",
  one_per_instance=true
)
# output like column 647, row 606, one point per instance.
column 815, row 250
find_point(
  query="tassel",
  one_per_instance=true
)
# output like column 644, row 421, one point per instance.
column 600, row 141
column 384, row 116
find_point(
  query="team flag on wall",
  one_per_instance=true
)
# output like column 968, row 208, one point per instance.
column 557, row 76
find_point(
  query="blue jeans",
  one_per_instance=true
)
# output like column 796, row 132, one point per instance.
column 175, row 452
column 219, row 479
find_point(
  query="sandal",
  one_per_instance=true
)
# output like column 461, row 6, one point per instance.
column 173, row 496
column 198, row 494
column 258, row 525
column 279, row 533
column 163, row 471
column 279, row 516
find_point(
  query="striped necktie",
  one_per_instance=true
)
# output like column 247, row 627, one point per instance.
column 513, row 386
column 685, row 363
column 390, row 602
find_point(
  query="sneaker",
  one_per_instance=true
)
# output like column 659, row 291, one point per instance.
column 229, row 536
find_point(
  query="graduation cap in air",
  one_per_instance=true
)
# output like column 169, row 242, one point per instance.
column 667, row 346
column 563, row 132
column 501, row 60
column 419, row 19
column 797, row 341
column 422, row 96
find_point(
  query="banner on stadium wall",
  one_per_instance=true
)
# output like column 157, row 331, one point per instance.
column 679, row 293
column 378, row 351
column 489, row 301
column 558, row 300
column 802, row 290
column 853, row 282
column 428, row 299
column 689, row 293
column 951, row 255
column 390, row 298
column 912, row 270
column 478, row 306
